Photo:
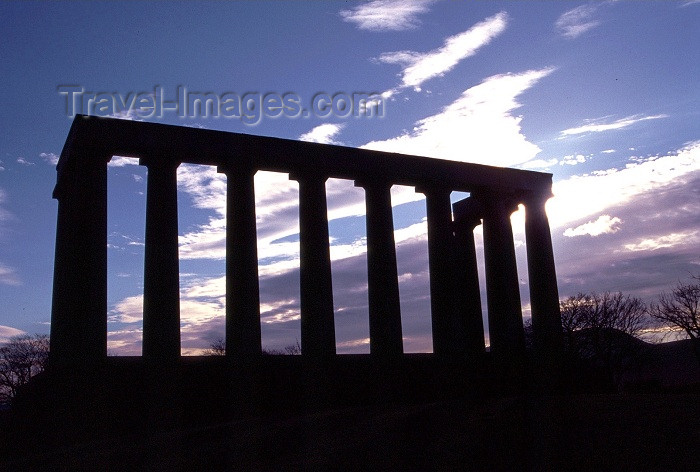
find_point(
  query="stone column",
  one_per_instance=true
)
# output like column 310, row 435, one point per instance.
column 161, row 279
column 79, row 307
column 468, row 306
column 446, row 327
column 385, row 336
column 502, row 289
column 317, row 317
column 544, row 294
column 243, row 337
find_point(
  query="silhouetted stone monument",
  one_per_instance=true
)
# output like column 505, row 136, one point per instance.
column 79, row 316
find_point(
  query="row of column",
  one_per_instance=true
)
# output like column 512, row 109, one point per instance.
column 506, row 333
column 454, row 288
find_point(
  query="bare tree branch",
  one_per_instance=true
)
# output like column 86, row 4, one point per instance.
column 20, row 359
column 681, row 309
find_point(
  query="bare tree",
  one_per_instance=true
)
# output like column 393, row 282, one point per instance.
column 21, row 358
column 603, row 329
column 293, row 349
column 680, row 309
column 289, row 350
column 217, row 348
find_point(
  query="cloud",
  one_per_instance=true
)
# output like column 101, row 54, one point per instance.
column 121, row 161
column 573, row 23
column 205, row 185
column 128, row 310
column 419, row 67
column 49, row 157
column 596, row 126
column 323, row 134
column 665, row 241
column 539, row 163
column 7, row 332
column 24, row 162
column 478, row 127
column 590, row 194
column 4, row 214
column 386, row 15
column 8, row 275
column 572, row 160
column 604, row 224
column 656, row 245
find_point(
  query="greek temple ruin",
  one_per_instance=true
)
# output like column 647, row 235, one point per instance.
column 79, row 313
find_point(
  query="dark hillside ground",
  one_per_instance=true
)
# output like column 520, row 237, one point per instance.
column 653, row 426
column 615, row 432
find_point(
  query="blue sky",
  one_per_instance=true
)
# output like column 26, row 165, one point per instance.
column 604, row 95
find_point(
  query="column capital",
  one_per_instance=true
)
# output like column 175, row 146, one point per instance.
column 537, row 197
column 228, row 166
column 378, row 183
column 75, row 156
column 81, row 162
column 436, row 190
column 161, row 162
column 494, row 202
column 314, row 176
column 467, row 213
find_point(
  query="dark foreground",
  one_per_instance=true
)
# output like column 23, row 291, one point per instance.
column 348, row 413
column 588, row 432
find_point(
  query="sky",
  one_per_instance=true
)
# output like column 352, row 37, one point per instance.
column 603, row 95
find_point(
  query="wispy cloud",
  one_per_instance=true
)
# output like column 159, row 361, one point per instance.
column 605, row 189
column 540, row 163
column 8, row 275
column 478, row 127
column 24, row 162
column 323, row 134
column 665, row 241
column 573, row 23
column 603, row 225
column 4, row 214
column 127, row 310
column 419, row 67
column 387, row 15
column 596, row 126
